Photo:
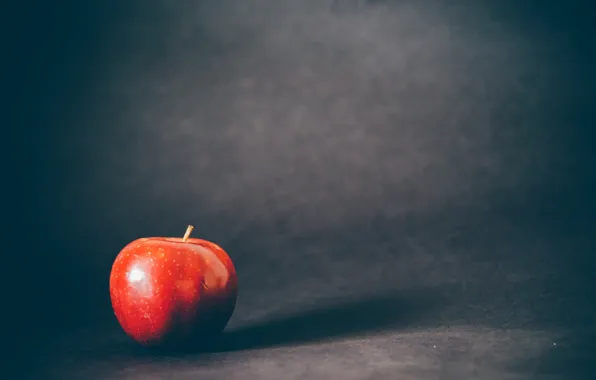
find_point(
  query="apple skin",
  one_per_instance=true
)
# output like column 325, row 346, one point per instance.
column 172, row 292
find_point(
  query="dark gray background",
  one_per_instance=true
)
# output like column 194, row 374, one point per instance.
column 409, row 182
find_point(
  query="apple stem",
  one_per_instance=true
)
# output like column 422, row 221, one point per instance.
column 188, row 232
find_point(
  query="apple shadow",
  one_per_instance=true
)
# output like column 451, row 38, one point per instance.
column 339, row 320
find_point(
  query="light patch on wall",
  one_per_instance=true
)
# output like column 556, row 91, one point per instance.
column 304, row 114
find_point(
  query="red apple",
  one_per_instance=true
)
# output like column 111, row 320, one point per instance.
column 172, row 291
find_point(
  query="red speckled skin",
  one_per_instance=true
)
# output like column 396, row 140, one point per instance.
column 166, row 291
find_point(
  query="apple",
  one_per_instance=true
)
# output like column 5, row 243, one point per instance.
column 169, row 291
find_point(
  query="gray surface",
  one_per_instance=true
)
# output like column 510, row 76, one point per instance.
column 445, row 353
column 509, row 317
